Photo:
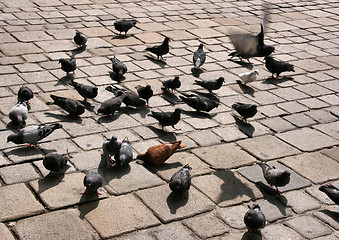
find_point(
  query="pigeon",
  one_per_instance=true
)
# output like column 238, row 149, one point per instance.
column 92, row 181
column 130, row 99
column 160, row 50
column 245, row 110
column 331, row 192
column 111, row 147
column 25, row 94
column 19, row 113
column 275, row 177
column 254, row 219
column 55, row 162
column 199, row 57
column 167, row 118
column 124, row 25
column 125, row 154
column 277, row 67
column 86, row 91
column 180, row 182
column 172, row 83
column 68, row 65
column 145, row 93
column 158, row 154
column 80, row 39
column 33, row 134
column 73, row 107
column 248, row 46
column 119, row 68
column 200, row 103
column 211, row 85
column 248, row 77
column 110, row 106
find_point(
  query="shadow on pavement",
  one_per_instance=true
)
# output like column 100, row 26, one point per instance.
column 175, row 201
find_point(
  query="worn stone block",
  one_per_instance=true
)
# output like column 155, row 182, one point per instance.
column 273, row 209
column 18, row 173
column 297, row 201
column 5, row 233
column 172, row 231
column 234, row 216
column 85, row 161
column 331, row 129
column 279, row 231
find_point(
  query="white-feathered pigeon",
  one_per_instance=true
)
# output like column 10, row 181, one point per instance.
column 248, row 77
column 19, row 113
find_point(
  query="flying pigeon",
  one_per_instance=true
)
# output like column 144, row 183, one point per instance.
column 145, row 92
column 55, row 162
column 73, row 107
column 167, row 118
column 125, row 154
column 68, row 65
column 19, row 113
column 211, row 85
column 160, row 50
column 80, row 39
column 25, row 94
column 131, row 98
column 199, row 56
column 248, row 77
column 199, row 103
column 254, row 219
column 331, row 192
column 245, row 110
column 33, row 134
column 180, row 182
column 277, row 67
column 124, row 25
column 119, row 68
column 172, row 83
column 86, row 91
column 110, row 106
column 92, row 181
column 158, row 154
column 275, row 177
column 111, row 147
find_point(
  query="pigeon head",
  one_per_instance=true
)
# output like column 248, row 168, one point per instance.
column 80, row 109
column 148, row 86
column 61, row 60
column 254, row 207
column 256, row 71
column 188, row 167
column 16, row 138
column 221, row 79
column 178, row 110
column 167, row 39
column 267, row 50
column 95, row 90
column 201, row 46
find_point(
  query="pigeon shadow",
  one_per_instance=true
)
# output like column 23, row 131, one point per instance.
column 84, row 209
column 276, row 81
column 162, row 134
column 245, row 88
column 196, row 72
column 24, row 151
column 114, row 172
column 115, row 77
column 14, row 126
column 245, row 128
column 210, row 96
column 169, row 96
column 78, row 50
column 199, row 114
column 108, row 119
column 162, row 167
column 50, row 180
column 88, row 105
column 253, row 235
column 332, row 214
column 160, row 63
column 65, row 80
column 175, row 201
column 143, row 111
column 121, row 36
column 243, row 64
column 64, row 118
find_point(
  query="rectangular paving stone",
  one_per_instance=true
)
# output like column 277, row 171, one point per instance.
column 229, row 133
column 32, row 36
column 22, row 153
column 13, row 49
column 265, row 147
column 18, row 201
column 307, row 139
column 297, row 199
column 279, row 231
column 233, row 216
column 63, row 225
column 331, row 129
column 5, row 233
column 10, row 79
column 273, row 209
column 329, row 216
column 85, row 126
column 129, row 214
column 86, row 160
column 18, row 173
column 300, row 120
column 314, row 166
column 169, row 206
column 173, row 231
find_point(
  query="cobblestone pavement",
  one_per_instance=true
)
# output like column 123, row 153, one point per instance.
column 296, row 126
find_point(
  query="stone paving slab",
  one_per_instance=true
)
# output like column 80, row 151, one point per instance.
column 173, row 231
column 5, row 232
column 279, row 231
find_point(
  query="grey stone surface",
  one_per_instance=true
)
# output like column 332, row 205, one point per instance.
column 173, row 231
column 5, row 232
column 234, row 216
column 329, row 216
column 279, row 231
column 300, row 201
column 18, row 173
column 273, row 209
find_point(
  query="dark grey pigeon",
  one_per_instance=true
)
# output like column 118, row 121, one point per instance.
column 331, row 192
column 145, row 92
column 92, row 182
column 80, row 39
column 180, row 182
column 245, row 110
column 110, row 106
column 199, row 56
column 86, row 91
column 211, row 85
column 275, row 177
column 119, row 68
column 160, row 50
column 68, row 65
column 73, row 107
column 199, row 102
column 131, row 98
column 55, row 162
column 110, row 148
column 125, row 154
column 167, row 118
column 25, row 94
column 254, row 219
column 19, row 113
column 172, row 83
column 277, row 67
column 124, row 25
column 33, row 134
